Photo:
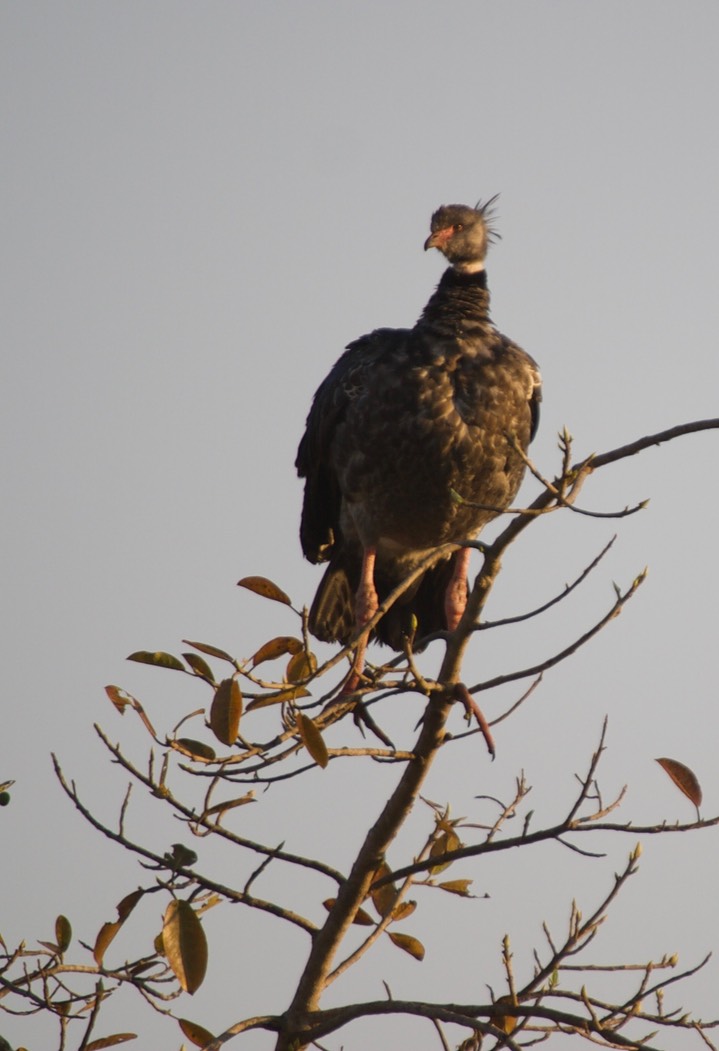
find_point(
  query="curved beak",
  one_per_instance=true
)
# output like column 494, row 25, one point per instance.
column 439, row 238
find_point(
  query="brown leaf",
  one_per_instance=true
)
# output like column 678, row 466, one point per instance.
column 158, row 659
column 225, row 711
column 312, row 739
column 302, row 666
column 684, row 778
column 229, row 804
column 120, row 698
column 264, row 587
column 506, row 1022
column 458, row 886
column 108, row 930
column 128, row 903
column 276, row 648
column 383, row 898
column 105, row 935
column 409, row 944
column 361, row 918
column 195, row 749
column 185, row 945
column 63, row 933
column 279, row 697
column 196, row 1034
column 110, row 1041
column 403, row 910
column 199, row 666
column 211, row 651
column 443, row 845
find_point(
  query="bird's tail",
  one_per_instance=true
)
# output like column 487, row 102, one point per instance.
column 332, row 612
column 417, row 613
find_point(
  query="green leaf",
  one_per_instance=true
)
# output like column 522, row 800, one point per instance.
column 199, row 666
column 195, row 749
column 211, row 651
column 158, row 659
column 63, row 933
column 185, row 945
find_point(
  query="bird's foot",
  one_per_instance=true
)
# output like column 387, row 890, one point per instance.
column 462, row 694
column 362, row 718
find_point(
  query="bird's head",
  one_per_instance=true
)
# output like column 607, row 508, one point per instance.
column 462, row 234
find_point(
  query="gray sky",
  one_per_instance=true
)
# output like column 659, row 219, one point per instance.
column 203, row 204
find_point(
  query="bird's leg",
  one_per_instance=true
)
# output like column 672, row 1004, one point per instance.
column 366, row 605
column 455, row 599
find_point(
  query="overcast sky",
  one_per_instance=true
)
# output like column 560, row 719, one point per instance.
column 203, row 203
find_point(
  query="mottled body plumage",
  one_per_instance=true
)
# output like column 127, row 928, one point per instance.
column 405, row 417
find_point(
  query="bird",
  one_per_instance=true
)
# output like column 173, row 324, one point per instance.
column 416, row 438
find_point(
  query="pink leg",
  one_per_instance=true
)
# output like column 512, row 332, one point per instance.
column 455, row 599
column 366, row 605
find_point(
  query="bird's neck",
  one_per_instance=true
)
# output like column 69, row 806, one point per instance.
column 461, row 299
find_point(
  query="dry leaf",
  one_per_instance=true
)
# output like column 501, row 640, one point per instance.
column 312, row 739
column 229, row 804
column 185, row 945
column 361, row 918
column 120, row 698
column 445, row 843
column 196, row 1034
column 684, row 778
column 383, row 898
column 506, row 1022
column 110, row 1041
column 264, row 587
column 276, row 648
column 225, row 711
column 409, row 944
column 108, row 930
column 302, row 666
column 403, row 910
column 458, row 886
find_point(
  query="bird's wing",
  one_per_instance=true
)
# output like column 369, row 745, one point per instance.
column 501, row 375
column 319, row 530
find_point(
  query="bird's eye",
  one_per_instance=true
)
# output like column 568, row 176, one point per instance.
column 458, row 226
